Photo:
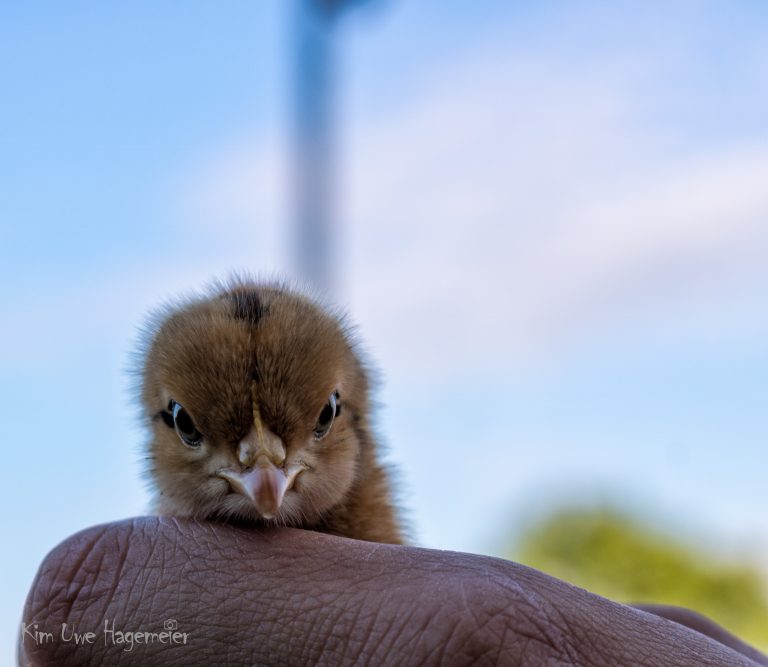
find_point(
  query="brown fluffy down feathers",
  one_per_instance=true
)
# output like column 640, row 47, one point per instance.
column 250, row 353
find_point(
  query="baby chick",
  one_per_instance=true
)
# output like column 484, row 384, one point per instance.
column 258, row 409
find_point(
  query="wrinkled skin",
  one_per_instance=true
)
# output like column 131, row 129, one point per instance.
column 293, row 597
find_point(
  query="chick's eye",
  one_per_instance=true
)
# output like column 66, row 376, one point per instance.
column 330, row 411
column 185, row 427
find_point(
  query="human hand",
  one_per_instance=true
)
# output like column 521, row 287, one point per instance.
column 288, row 596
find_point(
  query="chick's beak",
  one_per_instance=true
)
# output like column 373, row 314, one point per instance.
column 264, row 484
column 262, row 475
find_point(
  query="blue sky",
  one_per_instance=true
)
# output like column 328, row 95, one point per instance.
column 553, row 225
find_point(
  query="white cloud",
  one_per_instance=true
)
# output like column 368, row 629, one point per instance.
column 236, row 196
column 514, row 212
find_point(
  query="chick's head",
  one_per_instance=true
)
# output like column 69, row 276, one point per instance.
column 254, row 397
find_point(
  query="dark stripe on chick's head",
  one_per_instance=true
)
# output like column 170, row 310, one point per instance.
column 246, row 305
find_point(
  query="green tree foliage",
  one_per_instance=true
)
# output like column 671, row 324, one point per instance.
column 616, row 556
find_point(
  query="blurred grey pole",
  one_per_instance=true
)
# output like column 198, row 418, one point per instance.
column 315, row 225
